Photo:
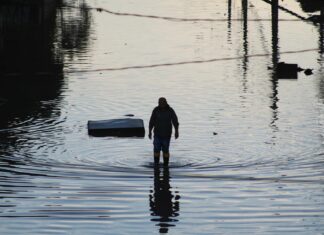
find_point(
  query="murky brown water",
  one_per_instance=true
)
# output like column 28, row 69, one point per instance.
column 262, row 173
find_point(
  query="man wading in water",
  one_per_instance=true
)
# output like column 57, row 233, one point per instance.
column 162, row 119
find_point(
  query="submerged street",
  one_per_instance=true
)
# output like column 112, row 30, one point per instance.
column 249, row 158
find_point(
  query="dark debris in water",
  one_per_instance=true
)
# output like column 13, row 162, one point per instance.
column 290, row 70
column 316, row 19
column 308, row 72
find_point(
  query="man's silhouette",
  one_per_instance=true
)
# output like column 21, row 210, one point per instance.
column 162, row 119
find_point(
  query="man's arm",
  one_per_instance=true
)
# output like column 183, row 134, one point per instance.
column 175, row 123
column 151, row 123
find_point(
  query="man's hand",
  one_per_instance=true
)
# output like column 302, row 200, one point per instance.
column 176, row 134
column 150, row 135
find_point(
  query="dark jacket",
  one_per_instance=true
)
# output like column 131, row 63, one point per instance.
column 162, row 120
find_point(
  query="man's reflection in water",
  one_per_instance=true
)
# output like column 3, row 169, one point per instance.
column 163, row 203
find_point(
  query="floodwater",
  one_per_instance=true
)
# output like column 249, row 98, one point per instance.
column 250, row 157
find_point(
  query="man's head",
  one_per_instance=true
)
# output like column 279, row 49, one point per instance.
column 163, row 102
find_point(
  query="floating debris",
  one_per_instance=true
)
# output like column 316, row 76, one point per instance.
column 308, row 72
column 316, row 18
column 126, row 127
column 285, row 70
column 299, row 69
column 288, row 71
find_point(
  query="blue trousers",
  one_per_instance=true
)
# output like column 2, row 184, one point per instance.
column 161, row 143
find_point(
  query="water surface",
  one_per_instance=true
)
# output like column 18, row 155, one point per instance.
column 250, row 155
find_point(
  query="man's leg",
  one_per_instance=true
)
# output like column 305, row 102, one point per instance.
column 165, row 149
column 166, row 157
column 156, row 158
column 157, row 149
